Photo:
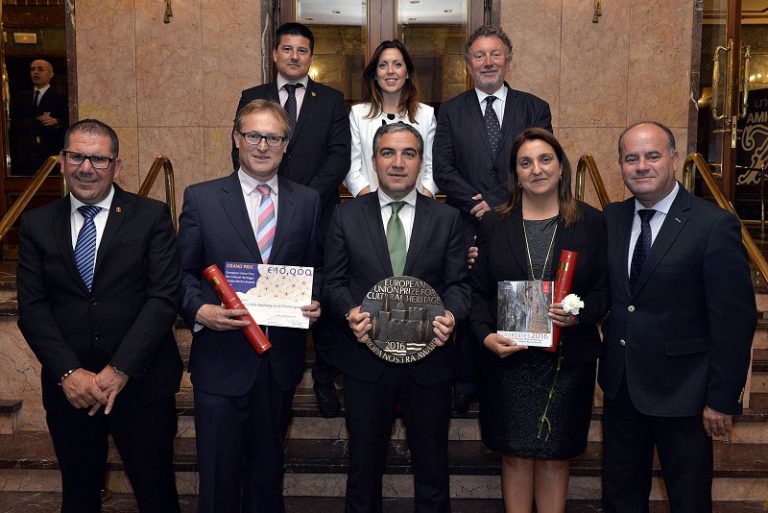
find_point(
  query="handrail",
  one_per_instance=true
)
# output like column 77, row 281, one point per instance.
column 14, row 212
column 587, row 163
column 696, row 161
column 161, row 161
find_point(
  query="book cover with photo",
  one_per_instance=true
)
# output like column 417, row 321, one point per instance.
column 522, row 312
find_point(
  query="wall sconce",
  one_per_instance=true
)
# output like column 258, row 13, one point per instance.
column 168, row 12
column 598, row 11
column 313, row 73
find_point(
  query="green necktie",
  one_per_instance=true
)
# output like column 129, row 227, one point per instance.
column 396, row 239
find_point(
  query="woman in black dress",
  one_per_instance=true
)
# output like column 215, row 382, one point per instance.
column 522, row 240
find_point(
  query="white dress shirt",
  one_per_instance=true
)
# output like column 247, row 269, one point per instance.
column 253, row 197
column 300, row 91
column 77, row 220
column 406, row 214
column 662, row 208
column 498, row 104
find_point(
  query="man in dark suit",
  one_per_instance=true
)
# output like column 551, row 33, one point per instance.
column 358, row 256
column 39, row 119
column 98, row 283
column 243, row 400
column 677, row 341
column 317, row 156
column 473, row 141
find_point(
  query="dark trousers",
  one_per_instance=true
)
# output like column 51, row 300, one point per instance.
column 323, row 335
column 685, row 454
column 240, row 447
column 369, row 414
column 144, row 438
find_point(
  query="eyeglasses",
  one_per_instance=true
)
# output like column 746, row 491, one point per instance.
column 77, row 159
column 255, row 138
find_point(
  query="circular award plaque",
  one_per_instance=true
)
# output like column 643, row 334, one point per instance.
column 402, row 309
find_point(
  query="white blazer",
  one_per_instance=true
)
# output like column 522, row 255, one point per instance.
column 363, row 129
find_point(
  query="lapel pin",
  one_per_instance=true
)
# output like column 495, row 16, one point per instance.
column 118, row 209
column 314, row 93
column 678, row 220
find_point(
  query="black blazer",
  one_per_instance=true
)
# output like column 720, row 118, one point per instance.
column 683, row 337
column 214, row 228
column 502, row 256
column 357, row 258
column 462, row 163
column 127, row 318
column 319, row 150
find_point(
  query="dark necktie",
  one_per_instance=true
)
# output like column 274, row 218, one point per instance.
column 85, row 248
column 37, row 97
column 396, row 239
column 290, row 104
column 642, row 246
column 492, row 125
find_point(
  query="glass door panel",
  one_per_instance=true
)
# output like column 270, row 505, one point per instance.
column 434, row 32
column 341, row 35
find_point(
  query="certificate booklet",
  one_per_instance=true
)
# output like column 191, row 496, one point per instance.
column 272, row 294
column 523, row 309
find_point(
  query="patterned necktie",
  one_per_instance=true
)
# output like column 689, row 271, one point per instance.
column 290, row 104
column 266, row 222
column 642, row 246
column 396, row 239
column 85, row 248
column 492, row 125
column 36, row 99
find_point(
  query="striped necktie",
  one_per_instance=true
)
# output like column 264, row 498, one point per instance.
column 265, row 235
column 85, row 248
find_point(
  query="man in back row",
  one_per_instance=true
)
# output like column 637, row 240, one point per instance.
column 473, row 141
column 317, row 155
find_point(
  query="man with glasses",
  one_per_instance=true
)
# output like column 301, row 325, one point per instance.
column 98, row 282
column 473, row 140
column 317, row 155
column 243, row 400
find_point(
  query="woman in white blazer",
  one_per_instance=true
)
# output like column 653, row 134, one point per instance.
column 389, row 95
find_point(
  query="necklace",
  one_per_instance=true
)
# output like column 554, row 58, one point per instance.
column 546, row 258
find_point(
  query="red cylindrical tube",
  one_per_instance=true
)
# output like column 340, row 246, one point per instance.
column 563, row 281
column 229, row 297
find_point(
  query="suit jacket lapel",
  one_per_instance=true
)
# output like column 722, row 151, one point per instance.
column 516, row 239
column 375, row 230
column 510, row 104
column 476, row 115
column 63, row 235
column 121, row 207
column 671, row 228
column 562, row 241
column 419, row 234
column 233, row 204
column 624, row 235
column 285, row 211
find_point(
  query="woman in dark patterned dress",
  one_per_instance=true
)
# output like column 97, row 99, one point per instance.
column 522, row 240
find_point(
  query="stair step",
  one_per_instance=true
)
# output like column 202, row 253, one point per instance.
column 18, row 502
column 318, row 468
column 307, row 423
column 34, row 450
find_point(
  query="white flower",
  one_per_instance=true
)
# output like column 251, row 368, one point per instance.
column 572, row 304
